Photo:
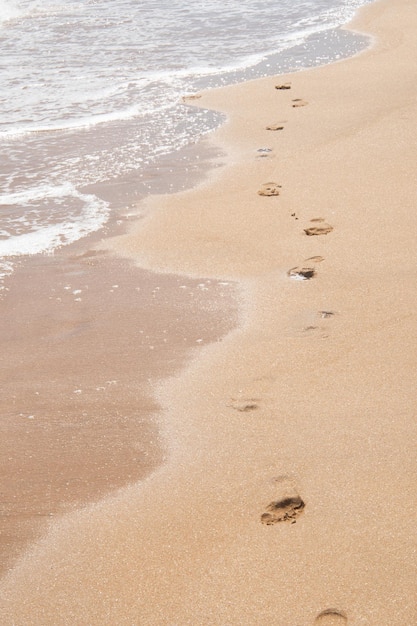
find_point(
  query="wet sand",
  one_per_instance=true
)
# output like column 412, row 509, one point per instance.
column 83, row 338
column 289, row 493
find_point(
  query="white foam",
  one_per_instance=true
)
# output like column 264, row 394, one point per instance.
column 51, row 236
column 84, row 122
column 66, row 92
column 14, row 9
column 36, row 8
column 69, row 125
column 8, row 11
column 6, row 269
column 39, row 192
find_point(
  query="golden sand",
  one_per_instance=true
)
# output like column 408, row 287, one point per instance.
column 289, row 494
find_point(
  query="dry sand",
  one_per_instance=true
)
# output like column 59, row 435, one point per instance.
column 289, row 494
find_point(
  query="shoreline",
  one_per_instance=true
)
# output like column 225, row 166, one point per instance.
column 307, row 401
column 125, row 188
column 66, row 440
column 84, row 337
column 29, row 501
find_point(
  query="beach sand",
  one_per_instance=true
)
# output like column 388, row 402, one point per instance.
column 83, row 337
column 288, row 494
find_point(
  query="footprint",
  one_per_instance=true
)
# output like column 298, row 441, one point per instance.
column 299, row 102
column 244, row 405
column 277, row 126
column 195, row 96
column 302, row 272
column 305, row 272
column 315, row 259
column 331, row 617
column 269, row 189
column 283, row 86
column 321, row 228
column 287, row 507
column 264, row 152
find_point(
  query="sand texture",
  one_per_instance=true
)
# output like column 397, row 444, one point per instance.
column 288, row 497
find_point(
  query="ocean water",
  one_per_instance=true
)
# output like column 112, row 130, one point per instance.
column 91, row 92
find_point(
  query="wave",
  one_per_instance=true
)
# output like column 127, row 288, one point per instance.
column 75, row 124
column 8, row 11
column 180, row 82
column 12, row 9
column 48, row 237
